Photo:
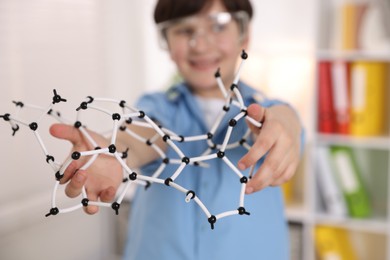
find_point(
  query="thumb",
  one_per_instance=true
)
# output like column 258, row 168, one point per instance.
column 256, row 112
column 66, row 132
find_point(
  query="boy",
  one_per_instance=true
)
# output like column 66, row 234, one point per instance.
column 201, row 36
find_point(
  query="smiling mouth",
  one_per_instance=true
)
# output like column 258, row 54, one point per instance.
column 204, row 64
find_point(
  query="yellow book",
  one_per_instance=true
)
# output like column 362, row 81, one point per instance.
column 287, row 189
column 348, row 26
column 333, row 244
column 368, row 92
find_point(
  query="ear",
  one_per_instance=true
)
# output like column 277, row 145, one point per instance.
column 246, row 39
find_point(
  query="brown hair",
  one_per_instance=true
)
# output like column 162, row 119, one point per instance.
column 171, row 9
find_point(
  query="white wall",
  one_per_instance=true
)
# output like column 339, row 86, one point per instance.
column 46, row 44
column 283, row 49
column 108, row 48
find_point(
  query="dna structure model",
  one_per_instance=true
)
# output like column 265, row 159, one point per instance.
column 129, row 115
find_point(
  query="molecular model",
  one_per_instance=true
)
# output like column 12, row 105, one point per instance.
column 129, row 115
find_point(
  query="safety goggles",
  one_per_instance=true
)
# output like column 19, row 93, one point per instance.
column 215, row 28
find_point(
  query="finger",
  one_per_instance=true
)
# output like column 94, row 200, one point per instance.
column 66, row 132
column 285, row 161
column 74, row 187
column 69, row 172
column 108, row 194
column 272, row 166
column 256, row 112
column 92, row 209
column 289, row 160
column 260, row 180
column 286, row 176
column 288, row 166
column 264, row 142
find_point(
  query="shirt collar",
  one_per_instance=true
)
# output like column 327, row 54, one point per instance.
column 182, row 91
column 248, row 94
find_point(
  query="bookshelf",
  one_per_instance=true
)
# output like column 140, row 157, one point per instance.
column 325, row 214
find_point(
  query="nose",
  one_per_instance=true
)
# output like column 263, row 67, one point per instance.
column 199, row 41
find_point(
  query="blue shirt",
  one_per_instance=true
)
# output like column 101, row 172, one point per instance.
column 163, row 226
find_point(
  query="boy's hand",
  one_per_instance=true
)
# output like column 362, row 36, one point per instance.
column 101, row 179
column 279, row 138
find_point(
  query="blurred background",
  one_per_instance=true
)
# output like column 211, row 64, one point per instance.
column 109, row 49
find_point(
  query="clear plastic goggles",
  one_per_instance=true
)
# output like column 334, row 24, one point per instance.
column 216, row 28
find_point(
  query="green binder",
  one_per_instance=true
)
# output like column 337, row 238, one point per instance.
column 349, row 177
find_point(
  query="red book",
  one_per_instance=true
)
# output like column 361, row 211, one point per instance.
column 326, row 112
column 341, row 94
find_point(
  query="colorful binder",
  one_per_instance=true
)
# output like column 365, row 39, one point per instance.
column 325, row 110
column 368, row 98
column 331, row 193
column 350, row 180
column 341, row 95
column 333, row 243
column 349, row 26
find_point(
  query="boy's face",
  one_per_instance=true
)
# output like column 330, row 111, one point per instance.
column 201, row 44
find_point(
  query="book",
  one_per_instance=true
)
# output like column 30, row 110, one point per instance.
column 330, row 191
column 350, row 180
column 351, row 22
column 333, row 243
column 368, row 92
column 349, row 26
column 341, row 95
column 374, row 33
column 287, row 189
column 325, row 110
column 296, row 240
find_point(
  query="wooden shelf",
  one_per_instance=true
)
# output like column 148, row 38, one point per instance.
column 377, row 226
column 297, row 213
column 352, row 55
column 378, row 142
column 373, row 152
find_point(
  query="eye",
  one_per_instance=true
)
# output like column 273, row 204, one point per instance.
column 184, row 31
column 218, row 27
